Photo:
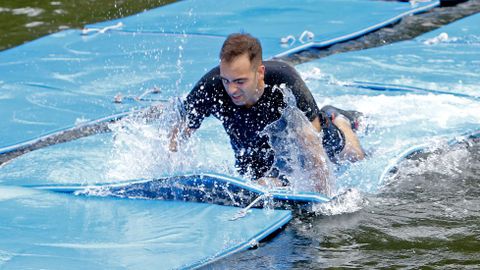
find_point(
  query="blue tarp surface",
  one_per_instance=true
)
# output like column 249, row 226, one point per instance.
column 329, row 21
column 45, row 230
column 447, row 59
column 68, row 78
column 414, row 94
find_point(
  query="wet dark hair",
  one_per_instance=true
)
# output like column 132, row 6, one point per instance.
column 238, row 44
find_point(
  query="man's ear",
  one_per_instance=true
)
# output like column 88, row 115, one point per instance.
column 261, row 72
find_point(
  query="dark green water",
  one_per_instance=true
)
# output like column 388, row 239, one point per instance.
column 427, row 218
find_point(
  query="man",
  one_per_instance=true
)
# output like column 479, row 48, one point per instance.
column 241, row 93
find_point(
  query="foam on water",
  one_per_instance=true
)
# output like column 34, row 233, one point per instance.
column 350, row 201
column 442, row 162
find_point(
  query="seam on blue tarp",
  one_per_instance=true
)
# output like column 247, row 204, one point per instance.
column 402, row 88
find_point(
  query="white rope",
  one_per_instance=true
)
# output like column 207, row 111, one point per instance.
column 289, row 40
column 306, row 34
column 242, row 213
column 118, row 98
column 86, row 31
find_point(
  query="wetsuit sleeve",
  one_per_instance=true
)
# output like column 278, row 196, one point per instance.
column 304, row 98
column 199, row 101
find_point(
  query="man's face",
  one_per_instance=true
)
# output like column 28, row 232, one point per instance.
column 242, row 80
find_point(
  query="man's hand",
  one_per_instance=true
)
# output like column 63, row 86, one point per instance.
column 173, row 139
column 178, row 134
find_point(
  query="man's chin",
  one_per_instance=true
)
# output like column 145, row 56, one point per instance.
column 238, row 102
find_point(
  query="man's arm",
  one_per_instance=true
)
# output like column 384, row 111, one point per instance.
column 197, row 105
column 318, row 166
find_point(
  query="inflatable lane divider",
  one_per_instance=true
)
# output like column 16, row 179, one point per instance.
column 392, row 167
column 330, row 42
column 205, row 188
column 408, row 89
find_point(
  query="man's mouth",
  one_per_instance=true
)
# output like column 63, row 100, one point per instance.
column 236, row 97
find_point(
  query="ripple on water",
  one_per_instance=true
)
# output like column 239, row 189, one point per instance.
column 29, row 11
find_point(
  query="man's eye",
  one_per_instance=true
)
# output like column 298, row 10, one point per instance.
column 225, row 81
column 240, row 82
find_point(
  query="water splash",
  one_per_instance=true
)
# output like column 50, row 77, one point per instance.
column 141, row 147
column 315, row 74
column 440, row 162
column 298, row 149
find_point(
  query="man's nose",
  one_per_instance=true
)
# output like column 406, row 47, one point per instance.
column 232, row 88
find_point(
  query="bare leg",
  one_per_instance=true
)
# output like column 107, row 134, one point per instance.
column 353, row 150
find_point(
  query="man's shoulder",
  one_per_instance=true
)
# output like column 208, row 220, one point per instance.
column 278, row 72
column 208, row 87
column 276, row 64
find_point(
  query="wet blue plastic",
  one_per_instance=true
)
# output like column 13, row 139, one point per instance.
column 68, row 78
column 46, row 230
column 446, row 59
column 330, row 21
column 420, row 93
column 85, row 164
column 65, row 78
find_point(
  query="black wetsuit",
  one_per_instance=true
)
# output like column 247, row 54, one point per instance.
column 254, row 156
